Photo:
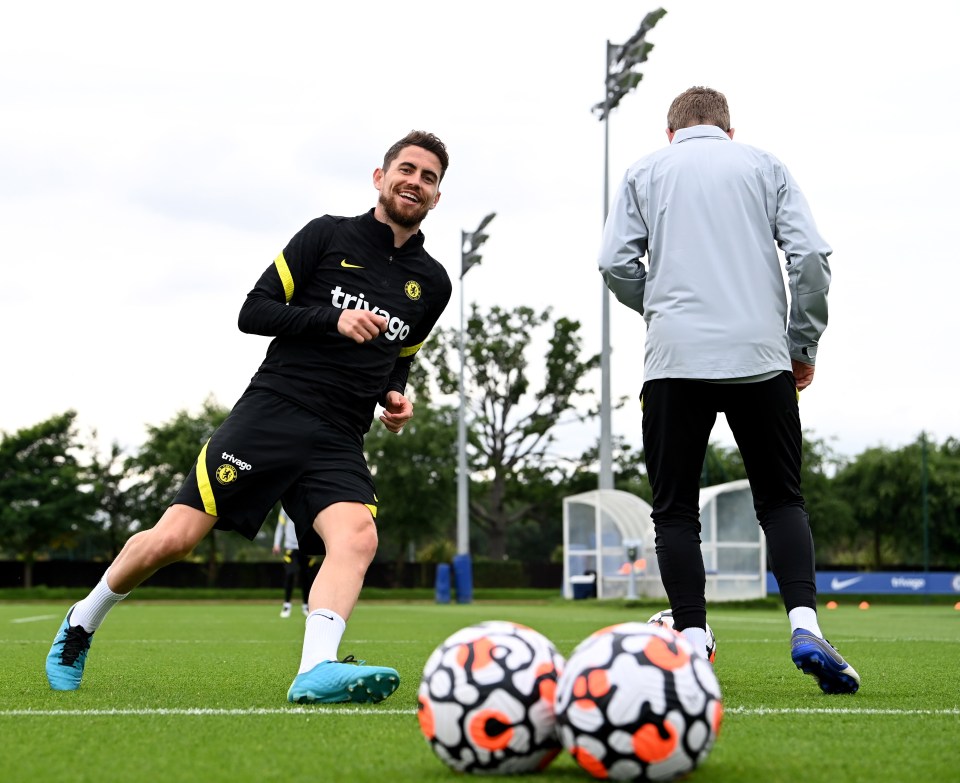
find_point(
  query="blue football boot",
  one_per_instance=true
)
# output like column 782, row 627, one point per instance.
column 333, row 682
column 820, row 659
column 67, row 656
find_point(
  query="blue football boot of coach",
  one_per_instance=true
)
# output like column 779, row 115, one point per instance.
column 820, row 659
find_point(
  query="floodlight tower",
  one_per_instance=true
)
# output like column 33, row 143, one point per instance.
column 469, row 245
column 620, row 78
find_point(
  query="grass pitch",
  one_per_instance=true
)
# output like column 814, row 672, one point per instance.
column 196, row 691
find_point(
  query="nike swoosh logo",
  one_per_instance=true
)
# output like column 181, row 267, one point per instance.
column 345, row 265
column 842, row 584
column 324, row 615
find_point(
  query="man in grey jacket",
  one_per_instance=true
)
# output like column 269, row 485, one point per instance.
column 721, row 335
column 296, row 564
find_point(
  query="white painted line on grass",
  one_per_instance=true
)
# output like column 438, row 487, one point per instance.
column 205, row 712
column 217, row 642
column 316, row 710
column 843, row 642
column 35, row 618
column 833, row 711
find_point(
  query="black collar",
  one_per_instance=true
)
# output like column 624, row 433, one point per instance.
column 384, row 234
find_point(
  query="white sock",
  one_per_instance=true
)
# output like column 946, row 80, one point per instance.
column 90, row 612
column 806, row 618
column 698, row 638
column 321, row 639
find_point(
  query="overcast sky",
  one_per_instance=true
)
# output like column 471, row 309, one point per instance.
column 154, row 159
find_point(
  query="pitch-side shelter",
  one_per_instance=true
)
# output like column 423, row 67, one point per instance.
column 609, row 549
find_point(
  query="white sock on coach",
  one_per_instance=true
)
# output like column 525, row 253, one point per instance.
column 698, row 638
column 806, row 618
column 321, row 638
column 90, row 611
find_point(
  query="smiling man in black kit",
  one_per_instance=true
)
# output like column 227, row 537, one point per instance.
column 348, row 302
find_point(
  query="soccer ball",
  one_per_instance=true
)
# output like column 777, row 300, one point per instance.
column 486, row 699
column 634, row 702
column 665, row 618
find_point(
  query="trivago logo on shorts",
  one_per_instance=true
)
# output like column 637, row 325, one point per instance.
column 238, row 462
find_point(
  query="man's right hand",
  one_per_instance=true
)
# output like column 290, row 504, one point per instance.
column 361, row 325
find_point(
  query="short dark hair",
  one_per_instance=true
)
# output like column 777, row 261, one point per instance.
column 699, row 106
column 416, row 138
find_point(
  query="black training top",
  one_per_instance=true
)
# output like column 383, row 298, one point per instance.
column 333, row 264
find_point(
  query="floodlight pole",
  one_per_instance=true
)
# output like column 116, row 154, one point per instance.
column 470, row 242
column 606, row 425
column 925, row 502
column 619, row 79
column 463, row 491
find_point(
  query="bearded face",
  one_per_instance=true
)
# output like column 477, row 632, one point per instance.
column 409, row 187
column 403, row 208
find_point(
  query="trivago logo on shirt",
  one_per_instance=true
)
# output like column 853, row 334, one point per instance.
column 397, row 329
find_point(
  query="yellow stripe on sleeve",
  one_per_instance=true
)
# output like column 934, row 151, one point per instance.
column 285, row 277
column 203, row 481
column 410, row 350
column 372, row 508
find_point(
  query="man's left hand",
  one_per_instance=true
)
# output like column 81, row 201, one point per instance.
column 398, row 411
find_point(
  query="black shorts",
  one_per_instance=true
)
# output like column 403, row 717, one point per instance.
column 270, row 449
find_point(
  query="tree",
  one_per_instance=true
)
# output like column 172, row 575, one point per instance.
column 114, row 517
column 720, row 465
column 884, row 489
column 830, row 515
column 165, row 459
column 47, row 500
column 414, row 473
column 943, row 500
column 512, row 423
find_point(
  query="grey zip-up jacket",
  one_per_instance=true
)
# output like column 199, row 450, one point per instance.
column 709, row 214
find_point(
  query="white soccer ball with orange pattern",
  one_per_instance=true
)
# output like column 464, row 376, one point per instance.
column 665, row 618
column 485, row 702
column 634, row 702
